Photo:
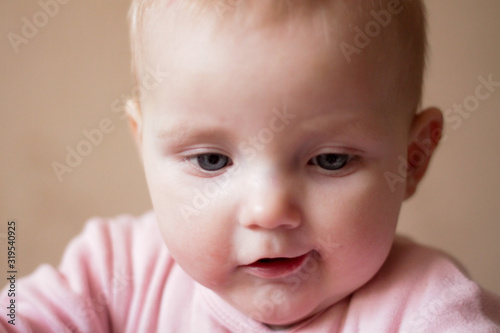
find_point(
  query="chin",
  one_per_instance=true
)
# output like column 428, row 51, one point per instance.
column 289, row 314
column 285, row 315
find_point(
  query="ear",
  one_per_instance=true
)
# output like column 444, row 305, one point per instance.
column 134, row 117
column 425, row 134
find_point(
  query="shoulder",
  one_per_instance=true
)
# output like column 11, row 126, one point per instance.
column 121, row 249
column 121, row 227
column 421, row 289
column 410, row 261
column 109, row 241
column 120, row 264
column 113, row 268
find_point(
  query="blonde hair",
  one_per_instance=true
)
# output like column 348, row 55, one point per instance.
column 409, row 32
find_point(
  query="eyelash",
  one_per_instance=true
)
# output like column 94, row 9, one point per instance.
column 337, row 165
column 345, row 161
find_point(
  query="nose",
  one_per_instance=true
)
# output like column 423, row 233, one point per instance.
column 270, row 203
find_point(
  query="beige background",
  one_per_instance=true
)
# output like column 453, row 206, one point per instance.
column 65, row 79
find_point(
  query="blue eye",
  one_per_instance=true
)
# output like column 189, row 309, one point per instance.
column 330, row 162
column 212, row 161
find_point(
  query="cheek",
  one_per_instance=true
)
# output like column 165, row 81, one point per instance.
column 364, row 199
column 197, row 245
column 192, row 224
column 360, row 218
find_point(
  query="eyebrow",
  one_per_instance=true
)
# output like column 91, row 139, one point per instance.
column 341, row 128
column 184, row 133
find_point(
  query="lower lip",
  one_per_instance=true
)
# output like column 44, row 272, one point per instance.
column 277, row 268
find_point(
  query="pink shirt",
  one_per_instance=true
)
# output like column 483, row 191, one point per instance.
column 117, row 276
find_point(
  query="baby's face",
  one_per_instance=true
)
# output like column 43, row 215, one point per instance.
column 265, row 161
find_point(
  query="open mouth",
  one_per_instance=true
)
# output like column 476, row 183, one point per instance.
column 277, row 267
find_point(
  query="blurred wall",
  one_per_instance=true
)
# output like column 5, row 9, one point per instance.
column 66, row 77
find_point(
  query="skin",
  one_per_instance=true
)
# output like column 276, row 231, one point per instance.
column 272, row 199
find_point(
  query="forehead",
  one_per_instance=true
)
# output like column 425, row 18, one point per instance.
column 251, row 69
column 208, row 57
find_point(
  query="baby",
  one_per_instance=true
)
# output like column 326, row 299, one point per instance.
column 278, row 149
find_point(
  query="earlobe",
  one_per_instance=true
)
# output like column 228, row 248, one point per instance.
column 425, row 134
column 134, row 117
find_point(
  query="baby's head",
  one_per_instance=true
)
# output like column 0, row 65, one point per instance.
column 275, row 147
